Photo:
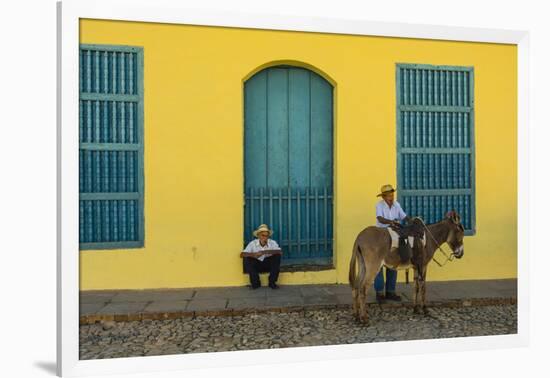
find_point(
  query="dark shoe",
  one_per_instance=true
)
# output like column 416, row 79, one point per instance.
column 252, row 287
column 273, row 286
column 380, row 298
column 393, row 297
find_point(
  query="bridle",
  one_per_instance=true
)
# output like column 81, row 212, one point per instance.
column 448, row 257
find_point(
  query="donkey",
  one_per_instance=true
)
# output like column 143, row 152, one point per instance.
column 372, row 249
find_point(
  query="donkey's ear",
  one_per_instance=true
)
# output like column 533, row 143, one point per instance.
column 455, row 217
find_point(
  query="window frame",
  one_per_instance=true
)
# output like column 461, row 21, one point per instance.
column 431, row 108
column 139, row 147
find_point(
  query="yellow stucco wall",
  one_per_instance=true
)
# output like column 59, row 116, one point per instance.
column 193, row 78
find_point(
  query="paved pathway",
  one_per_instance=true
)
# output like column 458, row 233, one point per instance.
column 131, row 305
column 290, row 329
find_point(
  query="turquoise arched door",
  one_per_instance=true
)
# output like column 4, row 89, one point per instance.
column 288, row 161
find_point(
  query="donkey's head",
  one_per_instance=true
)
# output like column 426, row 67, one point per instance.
column 456, row 234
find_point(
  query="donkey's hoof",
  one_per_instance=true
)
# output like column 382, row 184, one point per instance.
column 416, row 310
column 425, row 311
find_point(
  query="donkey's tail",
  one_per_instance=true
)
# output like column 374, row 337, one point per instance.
column 355, row 279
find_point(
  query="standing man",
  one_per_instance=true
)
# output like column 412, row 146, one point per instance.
column 388, row 212
column 262, row 254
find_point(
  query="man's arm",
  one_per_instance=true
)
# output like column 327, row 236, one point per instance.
column 272, row 252
column 380, row 217
column 274, row 248
column 264, row 252
column 250, row 254
column 383, row 220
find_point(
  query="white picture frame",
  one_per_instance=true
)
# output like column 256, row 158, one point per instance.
column 171, row 11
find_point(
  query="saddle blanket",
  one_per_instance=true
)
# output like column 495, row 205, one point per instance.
column 395, row 239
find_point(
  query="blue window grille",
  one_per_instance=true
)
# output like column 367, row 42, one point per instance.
column 111, row 147
column 435, row 141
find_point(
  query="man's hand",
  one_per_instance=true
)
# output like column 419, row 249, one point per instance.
column 395, row 225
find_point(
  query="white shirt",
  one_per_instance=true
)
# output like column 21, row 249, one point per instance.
column 255, row 246
column 393, row 213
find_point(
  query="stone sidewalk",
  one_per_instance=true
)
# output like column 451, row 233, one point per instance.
column 130, row 305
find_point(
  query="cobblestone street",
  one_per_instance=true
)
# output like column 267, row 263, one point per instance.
column 292, row 329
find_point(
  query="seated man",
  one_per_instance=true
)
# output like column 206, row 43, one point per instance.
column 262, row 253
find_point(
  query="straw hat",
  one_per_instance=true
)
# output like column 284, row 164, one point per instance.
column 385, row 189
column 262, row 228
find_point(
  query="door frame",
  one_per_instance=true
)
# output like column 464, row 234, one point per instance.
column 299, row 64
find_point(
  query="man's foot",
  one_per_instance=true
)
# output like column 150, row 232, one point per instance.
column 273, row 286
column 252, row 287
column 393, row 297
column 380, row 298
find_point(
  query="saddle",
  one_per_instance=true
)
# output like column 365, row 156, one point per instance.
column 406, row 235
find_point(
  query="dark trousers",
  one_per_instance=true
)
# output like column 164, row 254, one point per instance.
column 391, row 279
column 254, row 267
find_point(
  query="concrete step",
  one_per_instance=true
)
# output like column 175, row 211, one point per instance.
column 131, row 305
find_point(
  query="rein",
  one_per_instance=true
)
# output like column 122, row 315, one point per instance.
column 448, row 257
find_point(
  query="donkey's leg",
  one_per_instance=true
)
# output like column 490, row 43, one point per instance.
column 362, row 307
column 423, row 291
column 372, row 271
column 355, row 303
column 416, row 292
column 361, row 293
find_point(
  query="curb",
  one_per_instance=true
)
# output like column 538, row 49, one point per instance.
column 101, row 318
